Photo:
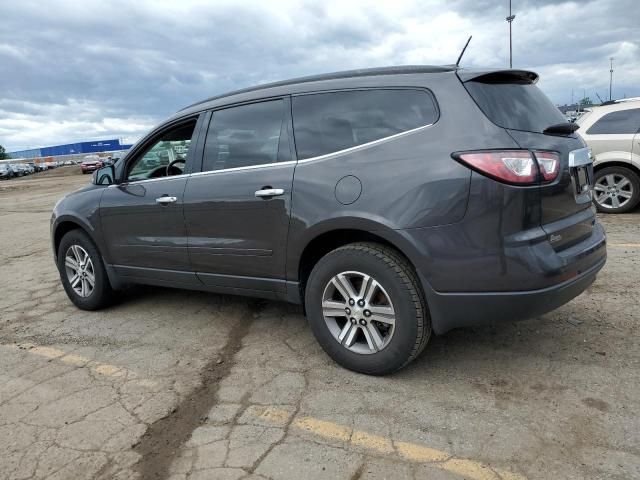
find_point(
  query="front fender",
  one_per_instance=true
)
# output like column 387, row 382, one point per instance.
column 81, row 208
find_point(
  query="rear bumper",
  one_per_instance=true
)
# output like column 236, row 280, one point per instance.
column 576, row 269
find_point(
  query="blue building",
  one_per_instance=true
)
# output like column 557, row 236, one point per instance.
column 72, row 149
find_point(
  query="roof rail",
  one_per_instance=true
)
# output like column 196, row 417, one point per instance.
column 362, row 72
column 620, row 100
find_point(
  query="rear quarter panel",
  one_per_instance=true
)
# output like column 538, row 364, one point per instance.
column 407, row 182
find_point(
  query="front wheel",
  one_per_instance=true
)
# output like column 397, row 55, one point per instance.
column 366, row 308
column 82, row 272
column 616, row 190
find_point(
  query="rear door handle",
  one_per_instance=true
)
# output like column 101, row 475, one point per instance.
column 269, row 192
column 166, row 200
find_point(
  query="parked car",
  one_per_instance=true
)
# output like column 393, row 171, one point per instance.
column 90, row 163
column 5, row 171
column 18, row 170
column 612, row 131
column 421, row 202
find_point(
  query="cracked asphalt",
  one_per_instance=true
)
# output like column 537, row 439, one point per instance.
column 172, row 384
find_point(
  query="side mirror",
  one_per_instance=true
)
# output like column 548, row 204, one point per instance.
column 104, row 176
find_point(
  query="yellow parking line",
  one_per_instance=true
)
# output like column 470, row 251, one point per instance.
column 418, row 453
column 469, row 469
column 624, row 245
column 324, row 429
column 373, row 442
column 61, row 356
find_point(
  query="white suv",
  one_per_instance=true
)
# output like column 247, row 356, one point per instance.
column 612, row 130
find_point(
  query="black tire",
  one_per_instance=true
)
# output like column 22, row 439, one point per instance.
column 393, row 272
column 634, row 181
column 102, row 294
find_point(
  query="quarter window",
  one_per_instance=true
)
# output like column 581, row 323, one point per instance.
column 620, row 122
column 246, row 135
column 329, row 122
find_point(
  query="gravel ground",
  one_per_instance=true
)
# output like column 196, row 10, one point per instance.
column 176, row 384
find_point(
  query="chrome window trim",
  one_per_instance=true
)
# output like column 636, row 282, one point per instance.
column 248, row 167
column 289, row 162
column 337, row 153
column 147, row 180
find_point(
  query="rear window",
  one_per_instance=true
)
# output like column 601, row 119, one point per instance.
column 329, row 122
column 518, row 106
column 620, row 122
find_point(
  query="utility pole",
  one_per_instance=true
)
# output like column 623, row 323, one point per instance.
column 610, row 78
column 510, row 19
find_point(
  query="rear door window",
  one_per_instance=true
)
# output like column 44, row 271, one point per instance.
column 330, row 122
column 247, row 135
column 517, row 105
column 620, row 122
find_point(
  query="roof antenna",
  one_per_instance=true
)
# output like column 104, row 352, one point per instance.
column 463, row 50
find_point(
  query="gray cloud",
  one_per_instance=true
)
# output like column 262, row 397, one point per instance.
column 76, row 70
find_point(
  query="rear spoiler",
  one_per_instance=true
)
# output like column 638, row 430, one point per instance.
column 523, row 77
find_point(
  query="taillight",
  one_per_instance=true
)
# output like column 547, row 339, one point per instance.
column 513, row 166
column 549, row 164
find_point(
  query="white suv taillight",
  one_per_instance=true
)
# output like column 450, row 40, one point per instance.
column 513, row 166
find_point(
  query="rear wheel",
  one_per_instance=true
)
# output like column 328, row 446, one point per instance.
column 616, row 190
column 82, row 272
column 366, row 308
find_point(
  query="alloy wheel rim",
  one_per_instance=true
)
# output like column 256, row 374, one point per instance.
column 358, row 312
column 79, row 269
column 613, row 190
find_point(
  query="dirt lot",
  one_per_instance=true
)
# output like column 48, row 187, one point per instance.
column 176, row 384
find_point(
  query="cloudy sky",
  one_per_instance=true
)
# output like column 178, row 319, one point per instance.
column 84, row 70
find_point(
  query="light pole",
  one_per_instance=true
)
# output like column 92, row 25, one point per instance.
column 610, row 77
column 510, row 19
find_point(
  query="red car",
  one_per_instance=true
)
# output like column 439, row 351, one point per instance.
column 91, row 163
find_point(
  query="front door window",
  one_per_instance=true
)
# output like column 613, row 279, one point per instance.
column 167, row 156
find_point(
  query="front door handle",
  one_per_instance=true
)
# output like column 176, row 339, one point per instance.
column 269, row 192
column 166, row 200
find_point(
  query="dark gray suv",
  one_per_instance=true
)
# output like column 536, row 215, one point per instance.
column 391, row 203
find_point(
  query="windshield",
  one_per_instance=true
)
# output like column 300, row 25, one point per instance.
column 517, row 106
